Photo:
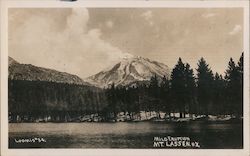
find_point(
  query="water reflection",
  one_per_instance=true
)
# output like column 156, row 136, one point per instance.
column 124, row 135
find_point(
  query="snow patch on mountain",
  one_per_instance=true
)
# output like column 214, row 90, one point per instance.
column 129, row 70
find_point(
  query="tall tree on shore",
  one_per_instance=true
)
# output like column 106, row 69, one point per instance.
column 178, row 87
column 189, row 89
column 204, row 86
column 234, row 79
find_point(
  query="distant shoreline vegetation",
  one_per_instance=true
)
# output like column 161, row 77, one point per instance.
column 184, row 96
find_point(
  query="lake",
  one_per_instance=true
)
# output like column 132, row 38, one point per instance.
column 124, row 134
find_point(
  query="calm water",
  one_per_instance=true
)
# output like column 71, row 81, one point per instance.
column 123, row 135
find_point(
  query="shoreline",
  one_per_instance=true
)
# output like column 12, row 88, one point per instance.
column 234, row 120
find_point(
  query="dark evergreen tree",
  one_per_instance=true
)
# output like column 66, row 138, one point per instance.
column 234, row 87
column 178, row 87
column 204, row 86
column 190, row 106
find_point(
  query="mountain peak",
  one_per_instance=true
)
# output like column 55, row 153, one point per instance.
column 132, row 57
column 128, row 71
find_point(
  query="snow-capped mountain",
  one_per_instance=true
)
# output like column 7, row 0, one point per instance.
column 128, row 71
column 18, row 71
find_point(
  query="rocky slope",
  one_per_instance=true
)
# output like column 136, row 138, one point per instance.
column 128, row 71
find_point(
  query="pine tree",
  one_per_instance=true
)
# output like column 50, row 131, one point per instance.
column 189, row 89
column 234, row 79
column 204, row 86
column 178, row 87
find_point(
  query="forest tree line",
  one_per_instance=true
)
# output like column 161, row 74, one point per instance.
column 183, row 92
column 206, row 93
column 36, row 99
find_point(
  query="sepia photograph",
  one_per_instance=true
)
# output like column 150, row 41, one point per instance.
column 126, row 78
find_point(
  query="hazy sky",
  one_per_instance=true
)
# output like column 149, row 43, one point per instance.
column 84, row 41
